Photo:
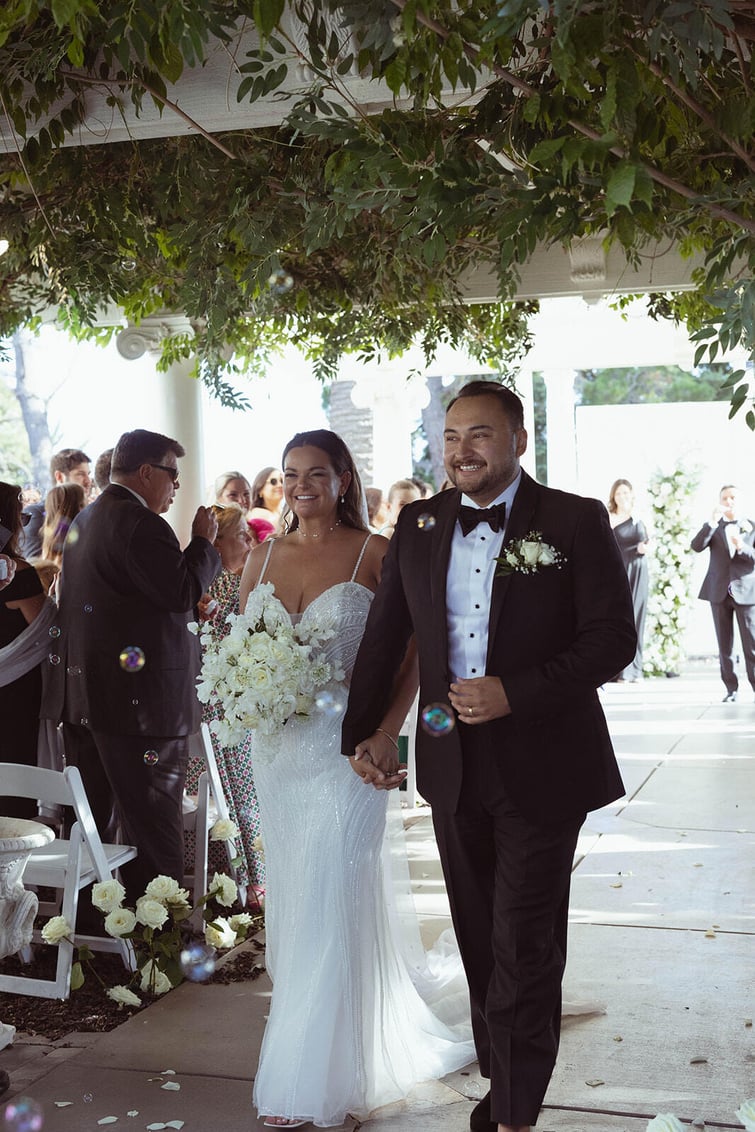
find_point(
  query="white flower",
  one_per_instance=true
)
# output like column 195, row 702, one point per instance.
column 224, row 830
column 242, row 920
column 153, row 979
column 746, row 1113
column 224, row 889
column 193, row 627
column 56, row 929
column 150, row 912
column 219, row 933
column 162, row 888
column 530, row 552
column 120, row 921
column 526, row 555
column 123, row 996
column 179, row 899
column 107, row 895
column 665, row 1122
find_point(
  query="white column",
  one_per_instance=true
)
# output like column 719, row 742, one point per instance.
column 561, row 433
column 396, row 402
column 180, row 415
column 525, row 393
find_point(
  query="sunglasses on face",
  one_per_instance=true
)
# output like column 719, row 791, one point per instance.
column 172, row 472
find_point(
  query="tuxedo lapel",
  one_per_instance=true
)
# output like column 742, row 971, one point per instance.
column 448, row 508
column 520, row 523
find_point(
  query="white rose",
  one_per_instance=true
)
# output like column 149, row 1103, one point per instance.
column 224, row 889
column 151, row 913
column 224, row 830
column 547, row 556
column 530, row 552
column 219, row 933
column 746, row 1113
column 153, row 979
column 56, row 929
column 179, row 899
column 242, row 920
column 161, row 888
column 107, row 895
column 120, row 921
column 123, row 996
column 665, row 1122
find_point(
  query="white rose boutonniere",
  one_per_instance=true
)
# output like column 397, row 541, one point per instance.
column 745, row 527
column 528, row 555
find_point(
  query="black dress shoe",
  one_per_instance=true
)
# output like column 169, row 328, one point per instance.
column 479, row 1117
column 730, row 698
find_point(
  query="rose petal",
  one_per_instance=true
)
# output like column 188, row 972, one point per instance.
column 174, row 1085
column 594, row 1083
column 62, row 1104
column 108, row 1120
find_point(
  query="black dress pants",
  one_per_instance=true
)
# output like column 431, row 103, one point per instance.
column 142, row 799
column 508, row 885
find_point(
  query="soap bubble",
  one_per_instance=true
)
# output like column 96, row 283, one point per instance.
column 73, row 670
column 198, row 962
column 280, row 282
column 23, row 1115
column 83, row 721
column 328, row 704
column 54, row 631
column 54, row 658
column 437, row 719
column 88, row 1098
column 151, row 757
column 132, row 658
column 87, row 608
column 425, row 522
column 72, row 537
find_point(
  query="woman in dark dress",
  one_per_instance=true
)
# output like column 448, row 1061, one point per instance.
column 632, row 538
column 21, row 601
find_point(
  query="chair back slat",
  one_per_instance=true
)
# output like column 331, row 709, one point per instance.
column 23, row 781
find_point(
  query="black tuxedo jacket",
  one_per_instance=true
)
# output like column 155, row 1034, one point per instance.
column 554, row 637
column 126, row 582
column 726, row 573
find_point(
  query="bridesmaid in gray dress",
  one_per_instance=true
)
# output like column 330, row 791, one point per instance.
column 632, row 538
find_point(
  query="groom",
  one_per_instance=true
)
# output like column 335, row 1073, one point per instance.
column 518, row 657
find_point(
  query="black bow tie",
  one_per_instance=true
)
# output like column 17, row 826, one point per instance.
column 469, row 517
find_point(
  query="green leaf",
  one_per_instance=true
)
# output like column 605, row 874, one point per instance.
column 77, row 976
column 544, row 150
column 620, row 186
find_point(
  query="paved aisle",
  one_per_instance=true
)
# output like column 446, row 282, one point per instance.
column 663, row 933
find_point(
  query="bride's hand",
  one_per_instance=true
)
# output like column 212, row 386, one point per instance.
column 375, row 760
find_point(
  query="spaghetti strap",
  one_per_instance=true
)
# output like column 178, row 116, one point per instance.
column 359, row 559
column 270, row 542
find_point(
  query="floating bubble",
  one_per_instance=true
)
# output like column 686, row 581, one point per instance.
column 54, row 658
column 135, row 703
column 73, row 670
column 72, row 537
column 129, row 265
column 88, row 1098
column 328, row 703
column 151, row 757
column 132, row 658
column 23, row 1115
column 54, row 631
column 83, row 721
column 280, row 282
column 426, row 522
column 437, row 719
column 198, row 962
column 87, row 609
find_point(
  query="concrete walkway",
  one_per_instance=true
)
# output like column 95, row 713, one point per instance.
column 663, row 933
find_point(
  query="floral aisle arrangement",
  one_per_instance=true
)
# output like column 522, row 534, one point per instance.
column 265, row 670
column 157, row 930
column 671, row 569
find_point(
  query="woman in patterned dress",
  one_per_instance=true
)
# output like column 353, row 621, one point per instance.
column 234, row 541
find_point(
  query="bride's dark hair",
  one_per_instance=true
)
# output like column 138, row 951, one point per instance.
column 352, row 512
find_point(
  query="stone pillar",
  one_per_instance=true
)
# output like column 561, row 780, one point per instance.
column 180, row 415
column 561, row 430
column 525, row 393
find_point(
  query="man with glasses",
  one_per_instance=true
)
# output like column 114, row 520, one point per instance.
column 123, row 670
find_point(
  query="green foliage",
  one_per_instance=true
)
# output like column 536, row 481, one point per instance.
column 644, row 385
column 527, row 124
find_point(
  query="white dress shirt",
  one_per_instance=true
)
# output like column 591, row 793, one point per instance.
column 469, row 586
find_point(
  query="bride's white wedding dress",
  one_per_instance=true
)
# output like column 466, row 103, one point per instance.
column 350, row 1026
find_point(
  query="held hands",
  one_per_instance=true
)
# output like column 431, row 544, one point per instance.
column 375, row 760
column 479, row 700
column 7, row 570
column 205, row 524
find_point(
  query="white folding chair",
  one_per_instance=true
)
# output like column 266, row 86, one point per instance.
column 200, row 812
column 409, row 731
column 66, row 865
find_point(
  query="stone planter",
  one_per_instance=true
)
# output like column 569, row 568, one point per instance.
column 18, row 907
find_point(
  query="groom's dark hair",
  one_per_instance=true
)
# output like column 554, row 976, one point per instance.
column 506, row 398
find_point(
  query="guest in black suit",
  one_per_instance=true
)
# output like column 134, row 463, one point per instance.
column 124, row 679
column 729, row 585
column 517, row 660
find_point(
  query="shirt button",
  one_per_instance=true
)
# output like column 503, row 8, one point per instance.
column 476, row 606
column 474, row 669
column 477, row 571
column 482, row 538
column 471, row 634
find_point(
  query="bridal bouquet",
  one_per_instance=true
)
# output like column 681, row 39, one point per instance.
column 265, row 670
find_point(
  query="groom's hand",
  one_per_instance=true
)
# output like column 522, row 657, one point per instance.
column 375, row 760
column 479, row 700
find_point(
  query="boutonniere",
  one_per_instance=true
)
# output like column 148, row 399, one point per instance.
column 526, row 555
column 744, row 527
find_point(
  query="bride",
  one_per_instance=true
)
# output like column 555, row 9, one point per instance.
column 350, row 1026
